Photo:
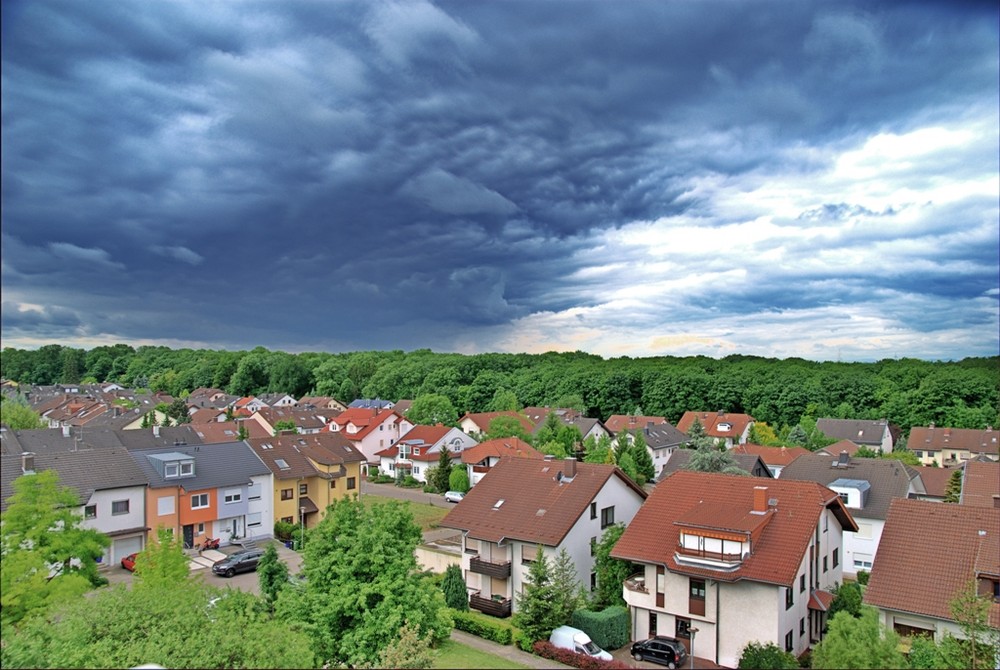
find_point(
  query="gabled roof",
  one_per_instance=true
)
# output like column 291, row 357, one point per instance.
column 888, row 477
column 216, row 465
column 935, row 479
column 54, row 440
column 227, row 431
column 536, row 507
column 654, row 535
column 773, row 456
column 933, row 438
column 537, row 415
column 980, row 484
column 583, row 424
column 84, row 471
column 370, row 403
column 426, row 438
column 302, row 418
column 281, row 457
column 365, row 420
column 837, row 448
column 161, row 437
column 501, row 447
column 714, row 422
column 206, row 415
column 927, row 554
column 619, row 422
column 482, row 419
column 859, row 431
column 679, row 459
column 664, row 436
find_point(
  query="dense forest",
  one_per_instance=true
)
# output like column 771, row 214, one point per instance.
column 907, row 392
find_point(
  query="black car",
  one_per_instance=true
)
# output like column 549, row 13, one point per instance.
column 665, row 650
column 241, row 561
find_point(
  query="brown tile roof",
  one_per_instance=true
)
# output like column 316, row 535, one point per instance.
column 498, row 448
column 928, row 552
column 207, row 415
column 679, row 459
column 837, row 447
column 935, row 439
column 935, row 479
column 711, row 420
column 980, row 484
column 306, row 419
column 654, row 534
column 888, row 477
column 294, row 463
column 777, row 456
column 536, row 507
column 226, row 431
column 619, row 422
column 327, row 449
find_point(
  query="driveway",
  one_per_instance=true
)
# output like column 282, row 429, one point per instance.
column 416, row 495
column 624, row 655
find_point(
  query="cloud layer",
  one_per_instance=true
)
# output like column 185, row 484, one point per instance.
column 645, row 178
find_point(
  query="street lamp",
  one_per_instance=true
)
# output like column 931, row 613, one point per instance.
column 302, row 525
column 692, row 631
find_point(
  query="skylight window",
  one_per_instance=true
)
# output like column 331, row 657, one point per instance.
column 282, row 463
column 498, row 504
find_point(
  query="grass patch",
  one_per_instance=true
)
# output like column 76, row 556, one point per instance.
column 425, row 515
column 453, row 654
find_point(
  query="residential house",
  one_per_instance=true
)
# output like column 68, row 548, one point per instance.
column 228, row 431
column 524, row 506
column 206, row 415
column 247, row 405
column 935, row 481
column 867, row 486
column 538, row 415
column 840, row 447
column 110, row 490
column 589, row 428
column 322, row 402
column 309, row 473
column 728, row 427
column 370, row 431
column 775, row 458
column 478, row 423
column 420, row 449
column 278, row 400
column 616, row 423
column 371, row 403
column 481, row 458
column 403, row 406
column 735, row 560
column 952, row 446
column 662, row 440
column 876, row 435
column 980, row 484
column 204, row 491
column 929, row 553
column 749, row 463
column 305, row 420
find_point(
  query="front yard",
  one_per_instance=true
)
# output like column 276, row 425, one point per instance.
column 426, row 516
column 453, row 654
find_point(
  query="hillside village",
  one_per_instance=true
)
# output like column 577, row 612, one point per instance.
column 706, row 547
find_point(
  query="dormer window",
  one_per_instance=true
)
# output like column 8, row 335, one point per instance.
column 724, row 427
column 416, row 451
column 171, row 470
column 187, row 468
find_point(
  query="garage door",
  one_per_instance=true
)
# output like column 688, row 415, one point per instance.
column 126, row 546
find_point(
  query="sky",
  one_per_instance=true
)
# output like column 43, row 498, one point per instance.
column 643, row 178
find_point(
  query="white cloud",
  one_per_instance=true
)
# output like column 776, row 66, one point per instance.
column 451, row 194
column 182, row 254
column 86, row 255
column 401, row 29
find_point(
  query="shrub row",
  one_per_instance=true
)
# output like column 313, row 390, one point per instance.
column 607, row 628
column 483, row 626
column 548, row 650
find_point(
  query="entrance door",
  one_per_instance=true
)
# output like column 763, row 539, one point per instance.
column 188, row 531
column 683, row 633
column 652, row 624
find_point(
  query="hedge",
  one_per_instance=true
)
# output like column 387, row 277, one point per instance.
column 548, row 650
column 483, row 626
column 607, row 628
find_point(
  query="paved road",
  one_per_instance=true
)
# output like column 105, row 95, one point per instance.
column 399, row 493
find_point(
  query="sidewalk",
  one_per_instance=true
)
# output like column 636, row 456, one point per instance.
column 507, row 651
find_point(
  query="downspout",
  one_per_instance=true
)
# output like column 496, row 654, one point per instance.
column 718, row 619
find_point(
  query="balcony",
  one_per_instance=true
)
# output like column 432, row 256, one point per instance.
column 481, row 469
column 497, row 606
column 490, row 569
column 637, row 583
column 709, row 559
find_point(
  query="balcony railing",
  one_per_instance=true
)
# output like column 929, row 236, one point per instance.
column 636, row 583
column 718, row 556
column 481, row 468
column 489, row 568
column 496, row 606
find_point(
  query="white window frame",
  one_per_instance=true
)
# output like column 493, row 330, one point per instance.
column 198, row 497
column 233, row 496
column 164, row 505
column 187, row 468
column 171, row 470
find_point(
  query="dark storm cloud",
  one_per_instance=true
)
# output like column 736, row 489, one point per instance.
column 396, row 175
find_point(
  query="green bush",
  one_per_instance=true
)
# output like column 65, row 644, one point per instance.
column 607, row 628
column 484, row 626
column 863, row 576
column 408, row 482
column 283, row 530
column 523, row 642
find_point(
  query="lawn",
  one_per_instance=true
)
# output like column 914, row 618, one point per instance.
column 425, row 515
column 453, row 654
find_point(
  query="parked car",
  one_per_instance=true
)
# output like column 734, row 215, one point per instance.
column 453, row 496
column 667, row 651
column 129, row 562
column 574, row 639
column 241, row 561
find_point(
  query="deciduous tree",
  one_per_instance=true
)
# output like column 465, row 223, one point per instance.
column 858, row 642
column 272, row 574
column 432, row 408
column 611, row 572
column 758, row 656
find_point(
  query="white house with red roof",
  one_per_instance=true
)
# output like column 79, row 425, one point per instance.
column 729, row 560
column 371, row 429
column 420, row 449
column 481, row 458
column 479, row 422
column 726, row 426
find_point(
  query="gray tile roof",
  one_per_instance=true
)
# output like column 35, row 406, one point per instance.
column 215, row 465
column 867, row 433
column 168, row 436
column 55, row 440
column 751, row 463
column 889, row 478
column 663, row 435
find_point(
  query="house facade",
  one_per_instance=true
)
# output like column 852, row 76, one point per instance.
column 525, row 506
column 420, row 448
column 728, row 560
column 480, row 459
column 947, row 447
column 727, row 427
column 876, row 435
column 370, row 430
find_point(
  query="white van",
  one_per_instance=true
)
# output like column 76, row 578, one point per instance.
column 574, row 639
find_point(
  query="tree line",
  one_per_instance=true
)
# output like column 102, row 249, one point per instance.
column 908, row 392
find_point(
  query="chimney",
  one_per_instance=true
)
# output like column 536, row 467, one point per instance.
column 28, row 463
column 759, row 500
column 569, row 467
column 65, row 428
column 156, row 431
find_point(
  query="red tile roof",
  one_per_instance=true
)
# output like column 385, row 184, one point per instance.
column 980, row 483
column 498, row 448
column 724, row 501
column 419, row 437
column 935, row 479
column 619, row 422
column 820, row 600
column 522, row 499
column 775, row 456
column 837, row 447
column 711, row 420
column 928, row 552
column 218, row 432
column 364, row 419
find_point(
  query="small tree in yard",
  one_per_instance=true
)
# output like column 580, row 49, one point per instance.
column 858, row 643
column 409, row 651
column 162, row 564
column 459, row 480
column 272, row 574
column 566, row 587
column 757, row 656
column 538, row 608
column 972, row 613
column 455, row 593
column 611, row 572
column 846, row 598
column 953, row 491
column 442, row 474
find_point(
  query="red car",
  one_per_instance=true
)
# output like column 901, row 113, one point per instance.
column 129, row 562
